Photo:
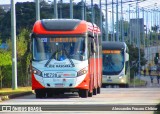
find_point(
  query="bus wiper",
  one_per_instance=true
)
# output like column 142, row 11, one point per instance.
column 69, row 58
column 53, row 55
column 50, row 59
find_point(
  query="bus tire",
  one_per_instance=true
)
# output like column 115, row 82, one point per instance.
column 90, row 94
column 98, row 90
column 94, row 91
column 103, row 86
column 83, row 93
column 127, row 85
column 40, row 93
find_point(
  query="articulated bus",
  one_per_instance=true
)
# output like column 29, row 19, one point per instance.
column 116, row 70
column 66, row 57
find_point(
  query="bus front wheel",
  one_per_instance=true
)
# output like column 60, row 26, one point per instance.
column 83, row 93
column 40, row 93
column 98, row 90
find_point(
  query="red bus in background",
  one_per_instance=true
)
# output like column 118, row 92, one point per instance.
column 66, row 57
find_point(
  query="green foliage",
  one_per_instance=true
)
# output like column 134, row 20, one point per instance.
column 133, row 54
column 5, row 58
column 7, row 76
column 26, row 15
column 5, row 65
column 155, row 28
column 22, row 42
column 24, row 56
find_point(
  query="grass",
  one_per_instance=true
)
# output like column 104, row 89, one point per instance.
column 137, row 82
column 10, row 91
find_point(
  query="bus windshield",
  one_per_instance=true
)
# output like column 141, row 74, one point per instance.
column 59, row 48
column 113, row 62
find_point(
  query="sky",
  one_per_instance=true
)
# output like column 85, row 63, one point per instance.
column 143, row 4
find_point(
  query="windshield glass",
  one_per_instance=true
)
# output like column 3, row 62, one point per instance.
column 59, row 48
column 113, row 61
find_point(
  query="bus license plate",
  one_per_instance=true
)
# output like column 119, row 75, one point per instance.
column 59, row 85
column 109, row 80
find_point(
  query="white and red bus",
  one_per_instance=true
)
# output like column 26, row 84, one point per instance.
column 66, row 57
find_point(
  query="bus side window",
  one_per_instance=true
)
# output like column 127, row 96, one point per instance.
column 93, row 46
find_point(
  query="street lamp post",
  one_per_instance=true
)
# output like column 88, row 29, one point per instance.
column 92, row 8
column 138, row 37
column 37, row 10
column 14, row 52
column 55, row 9
column 129, row 25
column 61, row 2
column 117, row 25
column 106, row 23
column 82, row 10
column 101, row 27
column 71, row 9
column 122, row 22
column 113, row 21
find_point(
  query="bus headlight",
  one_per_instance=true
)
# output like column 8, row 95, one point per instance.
column 82, row 72
column 36, row 71
column 122, row 80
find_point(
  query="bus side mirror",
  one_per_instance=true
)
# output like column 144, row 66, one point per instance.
column 30, row 35
column 126, row 56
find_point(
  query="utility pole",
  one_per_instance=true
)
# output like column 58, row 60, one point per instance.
column 138, row 38
column 37, row 10
column 122, row 30
column 71, row 9
column 92, row 11
column 85, row 11
column 101, row 23
column 143, row 32
column 106, row 24
column 61, row 2
column 55, row 9
column 82, row 10
column 14, row 52
column 117, row 27
column 129, row 25
column 113, row 38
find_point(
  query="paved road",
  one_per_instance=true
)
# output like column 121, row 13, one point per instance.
column 108, row 98
column 148, row 81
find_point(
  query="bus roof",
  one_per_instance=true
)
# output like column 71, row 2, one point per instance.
column 113, row 45
column 63, row 26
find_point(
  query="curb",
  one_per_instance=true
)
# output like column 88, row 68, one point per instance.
column 7, row 97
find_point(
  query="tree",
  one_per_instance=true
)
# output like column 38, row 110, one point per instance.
column 133, row 55
column 24, row 56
